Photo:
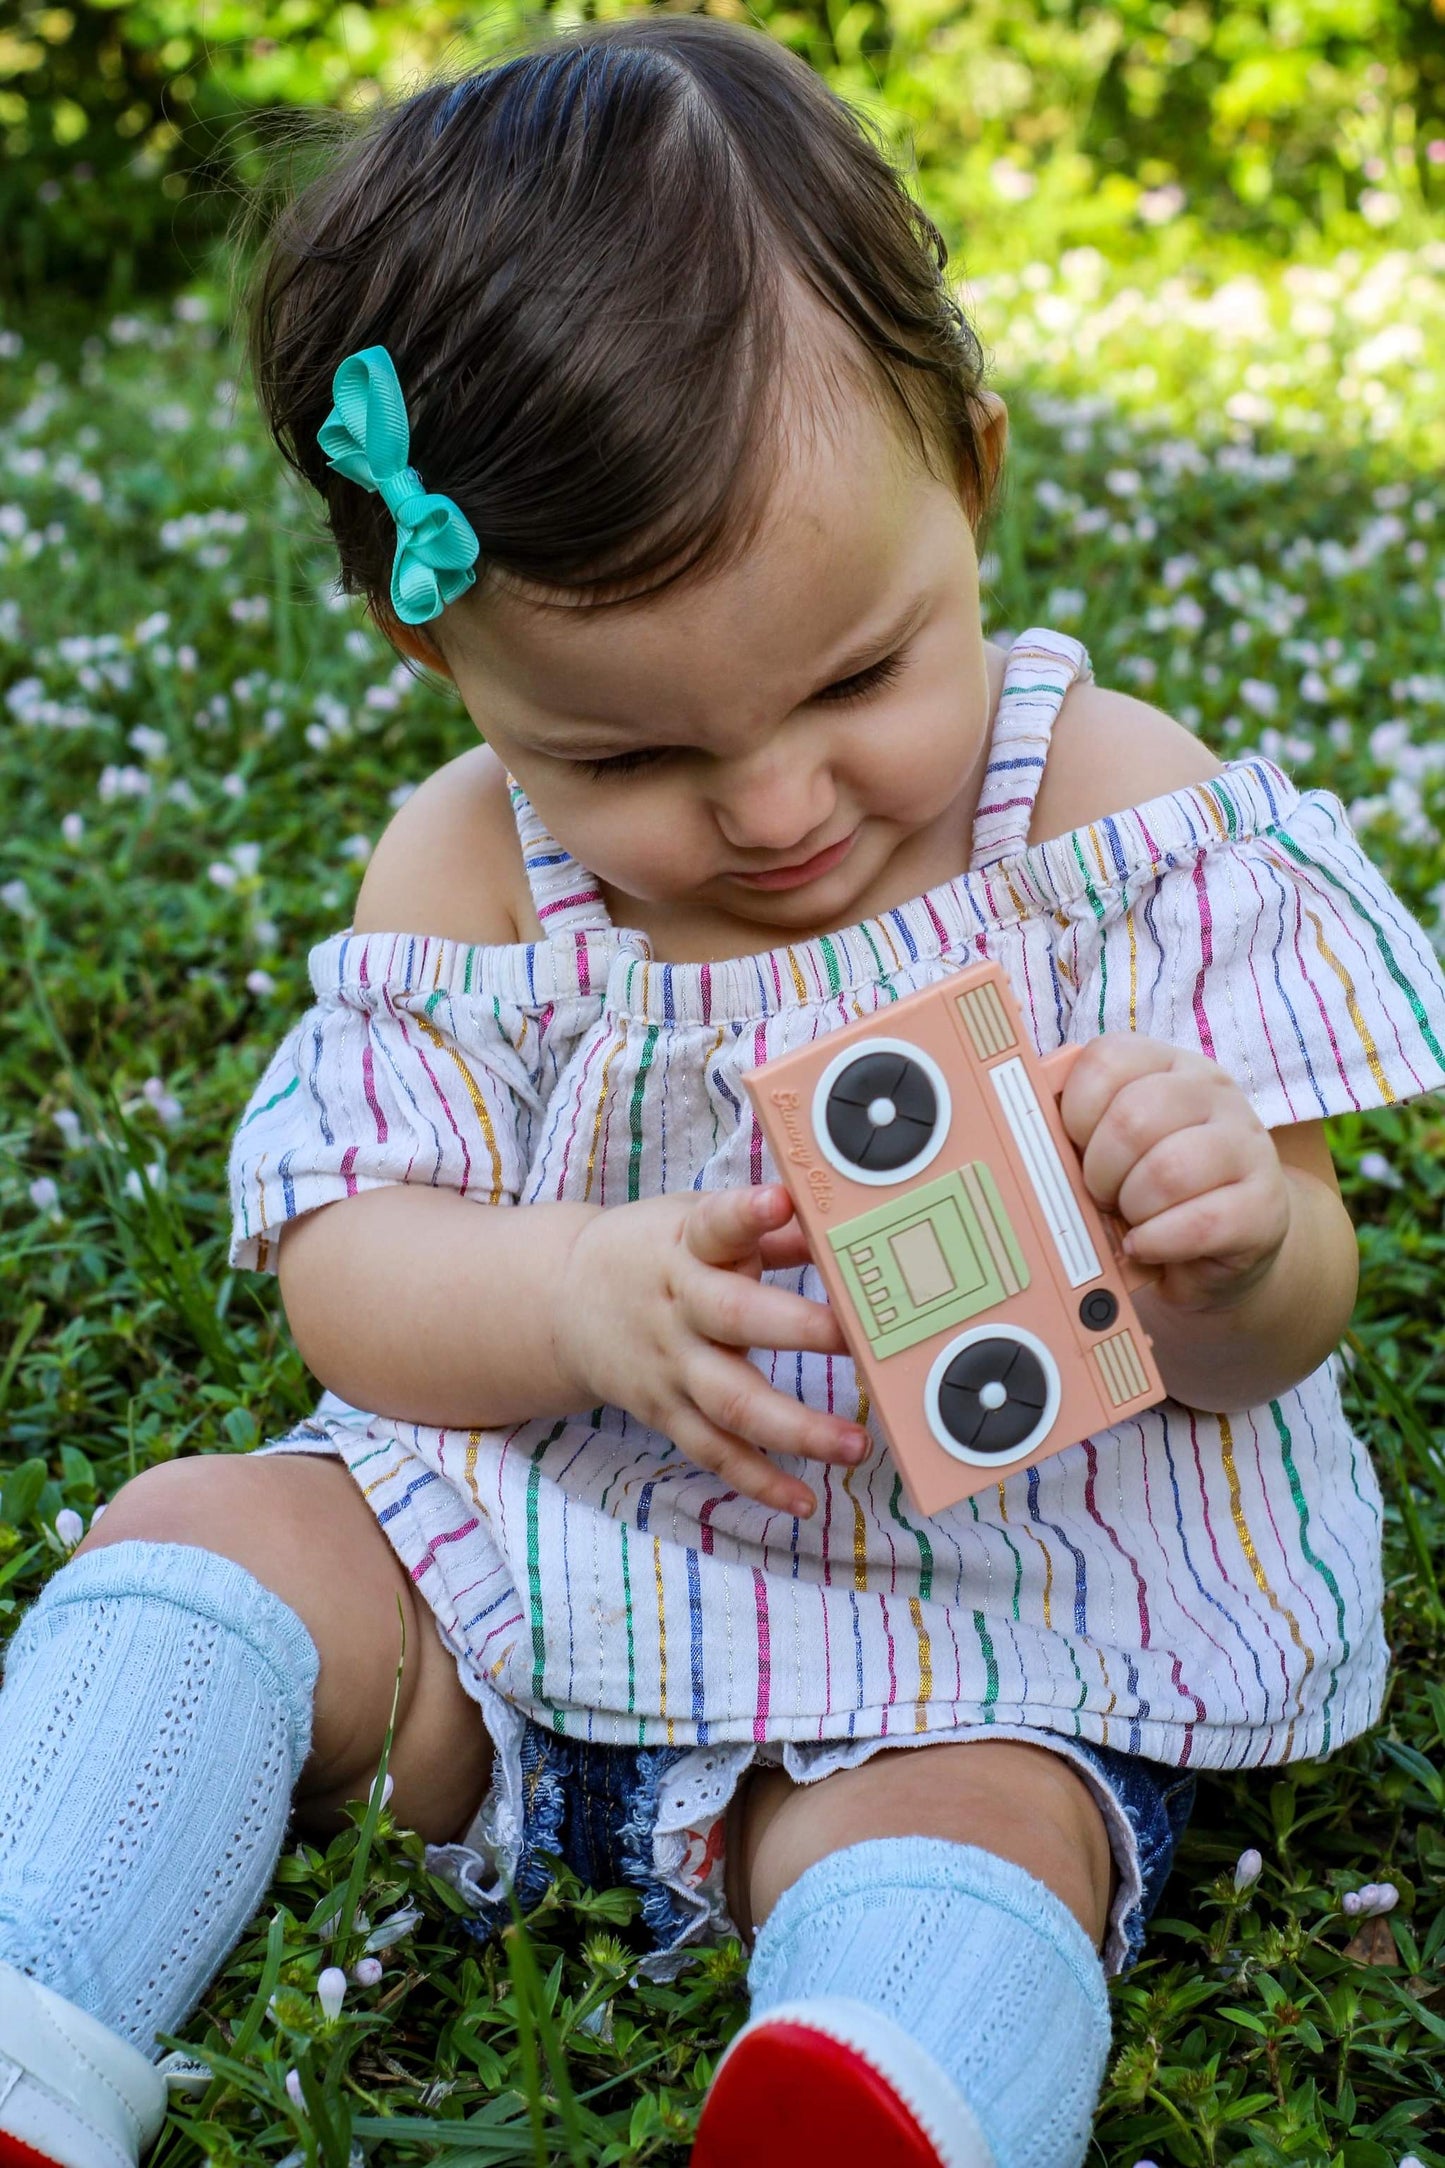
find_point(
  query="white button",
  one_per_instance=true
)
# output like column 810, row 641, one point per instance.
column 993, row 1395
column 881, row 1112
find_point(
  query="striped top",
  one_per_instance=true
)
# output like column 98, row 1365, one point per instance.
column 1187, row 1586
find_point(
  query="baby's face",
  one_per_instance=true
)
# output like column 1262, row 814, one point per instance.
column 760, row 746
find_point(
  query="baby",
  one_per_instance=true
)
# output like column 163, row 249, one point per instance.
column 642, row 412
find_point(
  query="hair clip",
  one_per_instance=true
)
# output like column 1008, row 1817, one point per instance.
column 366, row 437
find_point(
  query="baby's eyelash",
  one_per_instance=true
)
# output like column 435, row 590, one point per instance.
column 871, row 680
column 623, row 763
column 857, row 687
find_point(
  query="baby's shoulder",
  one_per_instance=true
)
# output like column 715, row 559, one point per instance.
column 1108, row 752
column 449, row 863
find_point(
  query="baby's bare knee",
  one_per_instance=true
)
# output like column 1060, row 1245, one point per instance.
column 300, row 1524
column 1025, row 1803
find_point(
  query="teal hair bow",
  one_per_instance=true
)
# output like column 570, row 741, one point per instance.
column 366, row 437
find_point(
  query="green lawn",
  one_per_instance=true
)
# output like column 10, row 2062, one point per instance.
column 1234, row 497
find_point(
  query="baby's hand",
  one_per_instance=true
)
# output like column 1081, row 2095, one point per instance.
column 661, row 1302
column 1171, row 1144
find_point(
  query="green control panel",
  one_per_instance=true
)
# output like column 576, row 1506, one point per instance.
column 930, row 1259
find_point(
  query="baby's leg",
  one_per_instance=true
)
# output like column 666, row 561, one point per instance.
column 299, row 1523
column 227, row 1636
column 930, row 1922
column 1024, row 1803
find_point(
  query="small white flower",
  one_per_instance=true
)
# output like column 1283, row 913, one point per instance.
column 1011, row 181
column 1247, row 1870
column 387, row 1788
column 1157, row 206
column 1259, row 694
column 260, row 982
column 395, row 1929
column 293, row 2088
column 150, row 744
column 168, row 1108
column 69, row 1527
column 233, row 786
column 245, row 857
column 95, row 1516
column 367, row 1971
column 223, row 875
column 45, row 1196
column 16, row 897
column 72, row 828
column 1376, row 1168
column 331, row 1992
column 155, row 1178
column 1371, row 1902
column 357, row 847
column 67, row 1121
column 126, row 782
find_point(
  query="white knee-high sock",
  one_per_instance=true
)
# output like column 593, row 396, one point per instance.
column 155, row 1715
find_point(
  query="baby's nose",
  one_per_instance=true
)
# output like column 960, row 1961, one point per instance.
column 776, row 809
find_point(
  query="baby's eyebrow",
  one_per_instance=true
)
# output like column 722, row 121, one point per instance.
column 608, row 737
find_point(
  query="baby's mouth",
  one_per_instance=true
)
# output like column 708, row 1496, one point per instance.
column 802, row 870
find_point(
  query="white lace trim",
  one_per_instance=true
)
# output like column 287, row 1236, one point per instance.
column 695, row 1796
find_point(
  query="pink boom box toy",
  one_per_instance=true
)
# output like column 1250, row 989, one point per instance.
column 977, row 1284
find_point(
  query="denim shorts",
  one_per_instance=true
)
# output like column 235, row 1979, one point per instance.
column 595, row 1809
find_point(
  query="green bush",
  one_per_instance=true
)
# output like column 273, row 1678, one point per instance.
column 131, row 128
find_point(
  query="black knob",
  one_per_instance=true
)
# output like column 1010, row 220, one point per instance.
column 881, row 1111
column 992, row 1394
column 1099, row 1309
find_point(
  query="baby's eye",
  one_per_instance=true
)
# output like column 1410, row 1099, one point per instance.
column 645, row 756
column 864, row 682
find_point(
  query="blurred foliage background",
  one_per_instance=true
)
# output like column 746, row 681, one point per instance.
column 134, row 129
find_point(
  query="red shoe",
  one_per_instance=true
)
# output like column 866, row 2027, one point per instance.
column 834, row 2080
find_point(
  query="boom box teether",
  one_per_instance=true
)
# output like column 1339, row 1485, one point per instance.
column 978, row 1286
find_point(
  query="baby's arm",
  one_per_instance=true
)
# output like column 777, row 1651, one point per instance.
column 1256, row 1251
column 416, row 1302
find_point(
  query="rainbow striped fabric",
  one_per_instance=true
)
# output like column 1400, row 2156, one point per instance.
column 1199, row 1590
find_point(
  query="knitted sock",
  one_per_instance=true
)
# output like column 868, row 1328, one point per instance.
column 976, row 1961
column 155, row 1716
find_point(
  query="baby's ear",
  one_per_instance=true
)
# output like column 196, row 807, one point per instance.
column 992, row 428
column 408, row 640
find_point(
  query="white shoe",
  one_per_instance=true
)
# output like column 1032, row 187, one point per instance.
column 73, row 2094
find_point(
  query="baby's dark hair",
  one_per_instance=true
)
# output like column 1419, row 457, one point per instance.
column 573, row 258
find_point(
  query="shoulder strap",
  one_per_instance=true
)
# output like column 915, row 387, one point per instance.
column 566, row 897
column 1041, row 667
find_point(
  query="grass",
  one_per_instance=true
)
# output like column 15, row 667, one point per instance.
column 1234, row 496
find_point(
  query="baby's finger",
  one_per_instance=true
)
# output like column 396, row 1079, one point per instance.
column 1190, row 1163
column 739, row 1312
column 741, row 1466
column 1221, row 1225
column 1141, row 1117
column 1104, row 1067
column 788, row 1248
column 734, row 1395
column 727, row 1225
